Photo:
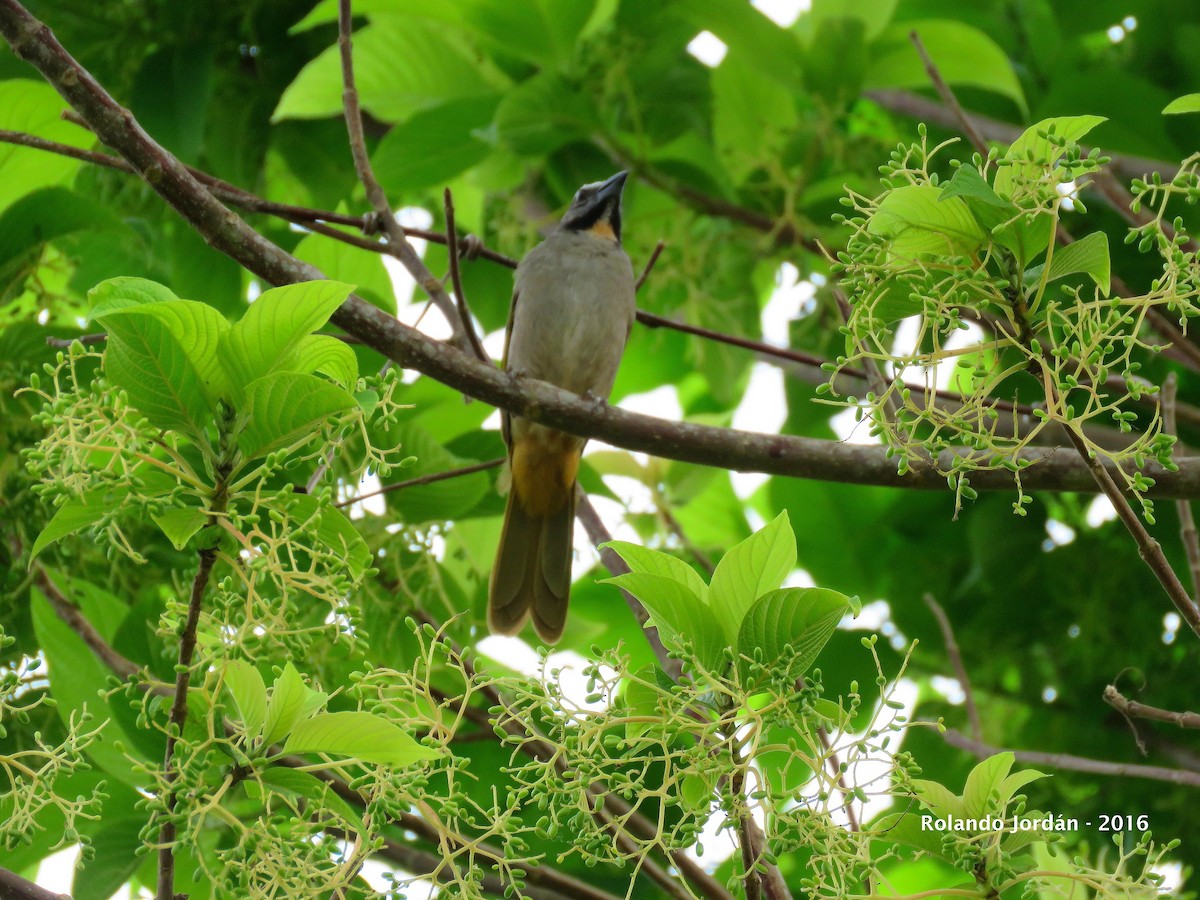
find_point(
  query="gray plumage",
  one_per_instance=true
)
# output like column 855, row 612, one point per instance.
column 572, row 309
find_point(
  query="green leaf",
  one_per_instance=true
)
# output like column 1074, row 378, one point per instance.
column 921, row 224
column 1086, row 256
column 682, row 618
column 325, row 354
column 939, row 799
column 1032, row 153
column 695, row 791
column 126, row 290
column 305, row 784
column 144, row 359
column 402, row 64
column 1188, row 103
column 264, row 338
column 249, row 693
column 70, row 518
column 542, row 114
column 905, row 828
column 180, row 524
column 542, row 31
column 33, row 107
column 757, row 565
column 971, row 186
column 802, row 619
column 435, row 145
column 351, row 265
column 655, row 562
column 774, row 51
column 982, row 794
column 197, row 328
column 289, row 696
column 114, row 858
column 327, row 11
column 288, row 407
column 964, row 55
column 643, row 695
column 78, row 681
column 875, row 15
column 358, row 735
column 440, row 500
column 41, row 216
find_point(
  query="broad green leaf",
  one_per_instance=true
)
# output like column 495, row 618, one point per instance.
column 939, row 799
column 325, row 354
column 285, row 408
column 774, row 51
column 435, row 145
column 327, row 12
column 964, row 55
column 1188, row 103
column 402, row 65
column 180, row 524
column 971, row 186
column 1017, row 780
column 1004, row 220
column 351, row 265
column 78, row 681
column 544, row 32
column 1032, row 153
column 147, row 361
column 643, row 696
column 695, row 791
column 305, row 784
column 542, row 114
column 289, row 695
column 905, row 828
column 800, row 618
column 42, row 216
column 835, row 62
column 752, row 114
column 249, row 693
column 875, row 15
column 757, row 565
column 440, row 500
column 1086, row 256
column 981, row 794
column 114, row 859
column 33, row 107
column 921, row 224
column 275, row 323
column 681, row 617
column 197, row 327
column 70, row 518
column 358, row 735
column 126, row 290
column 655, row 562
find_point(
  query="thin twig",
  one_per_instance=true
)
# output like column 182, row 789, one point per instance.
column 460, row 295
column 176, row 721
column 1187, row 521
column 423, row 479
column 654, row 255
column 1074, row 763
column 956, row 662
column 948, row 97
column 1134, row 710
column 1148, row 548
column 374, row 190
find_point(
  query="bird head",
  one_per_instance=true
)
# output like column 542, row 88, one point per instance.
column 596, row 208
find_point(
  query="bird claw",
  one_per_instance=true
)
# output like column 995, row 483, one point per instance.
column 596, row 401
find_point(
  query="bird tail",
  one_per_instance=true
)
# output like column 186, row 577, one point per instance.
column 532, row 573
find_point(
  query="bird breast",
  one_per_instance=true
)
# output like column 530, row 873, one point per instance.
column 575, row 306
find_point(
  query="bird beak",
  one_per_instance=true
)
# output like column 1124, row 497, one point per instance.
column 612, row 188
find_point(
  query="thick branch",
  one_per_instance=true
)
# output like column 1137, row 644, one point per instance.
column 14, row 887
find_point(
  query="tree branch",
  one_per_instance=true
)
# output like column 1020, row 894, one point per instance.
column 1133, row 710
column 1187, row 521
column 14, row 887
column 956, row 662
column 1075, row 763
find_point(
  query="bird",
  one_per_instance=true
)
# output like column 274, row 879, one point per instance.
column 571, row 313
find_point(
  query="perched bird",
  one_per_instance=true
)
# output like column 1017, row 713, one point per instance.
column 572, row 309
